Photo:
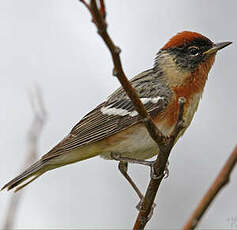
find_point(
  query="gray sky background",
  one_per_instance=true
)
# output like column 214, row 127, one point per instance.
column 53, row 43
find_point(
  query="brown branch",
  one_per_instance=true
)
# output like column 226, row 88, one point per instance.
column 102, row 9
column 165, row 144
column 101, row 25
column 221, row 180
column 32, row 145
column 159, row 168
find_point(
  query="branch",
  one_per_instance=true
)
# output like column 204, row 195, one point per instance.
column 221, row 180
column 164, row 143
column 32, row 142
column 115, row 51
column 159, row 168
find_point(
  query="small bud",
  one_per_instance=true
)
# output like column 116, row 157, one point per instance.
column 115, row 72
column 117, row 50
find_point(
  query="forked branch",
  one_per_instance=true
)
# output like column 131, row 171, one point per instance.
column 165, row 144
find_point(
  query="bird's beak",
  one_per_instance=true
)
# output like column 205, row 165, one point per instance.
column 216, row 47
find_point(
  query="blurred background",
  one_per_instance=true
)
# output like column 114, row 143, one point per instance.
column 53, row 43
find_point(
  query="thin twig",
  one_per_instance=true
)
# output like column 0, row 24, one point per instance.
column 33, row 136
column 86, row 5
column 165, row 144
column 102, row 9
column 221, row 180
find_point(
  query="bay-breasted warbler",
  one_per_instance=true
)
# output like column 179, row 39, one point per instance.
column 180, row 69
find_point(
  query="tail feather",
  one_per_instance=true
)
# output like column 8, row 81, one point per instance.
column 35, row 170
column 23, row 185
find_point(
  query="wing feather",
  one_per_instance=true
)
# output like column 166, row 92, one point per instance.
column 98, row 124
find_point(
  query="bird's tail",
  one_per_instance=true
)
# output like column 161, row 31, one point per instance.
column 29, row 175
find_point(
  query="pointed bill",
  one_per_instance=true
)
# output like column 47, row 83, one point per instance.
column 216, row 47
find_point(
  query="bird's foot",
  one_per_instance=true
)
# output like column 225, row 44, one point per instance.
column 117, row 157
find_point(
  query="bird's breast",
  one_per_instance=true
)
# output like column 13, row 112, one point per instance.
column 166, row 120
column 135, row 142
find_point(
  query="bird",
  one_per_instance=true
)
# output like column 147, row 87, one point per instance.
column 180, row 69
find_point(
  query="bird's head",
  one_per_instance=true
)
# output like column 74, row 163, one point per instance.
column 186, row 59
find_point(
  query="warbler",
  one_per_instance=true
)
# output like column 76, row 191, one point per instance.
column 180, row 69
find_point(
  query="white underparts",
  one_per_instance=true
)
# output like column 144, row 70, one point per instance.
column 109, row 110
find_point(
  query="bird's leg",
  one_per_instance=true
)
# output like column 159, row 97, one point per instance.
column 117, row 157
column 123, row 168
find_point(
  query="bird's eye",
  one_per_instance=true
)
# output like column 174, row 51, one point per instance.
column 193, row 50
